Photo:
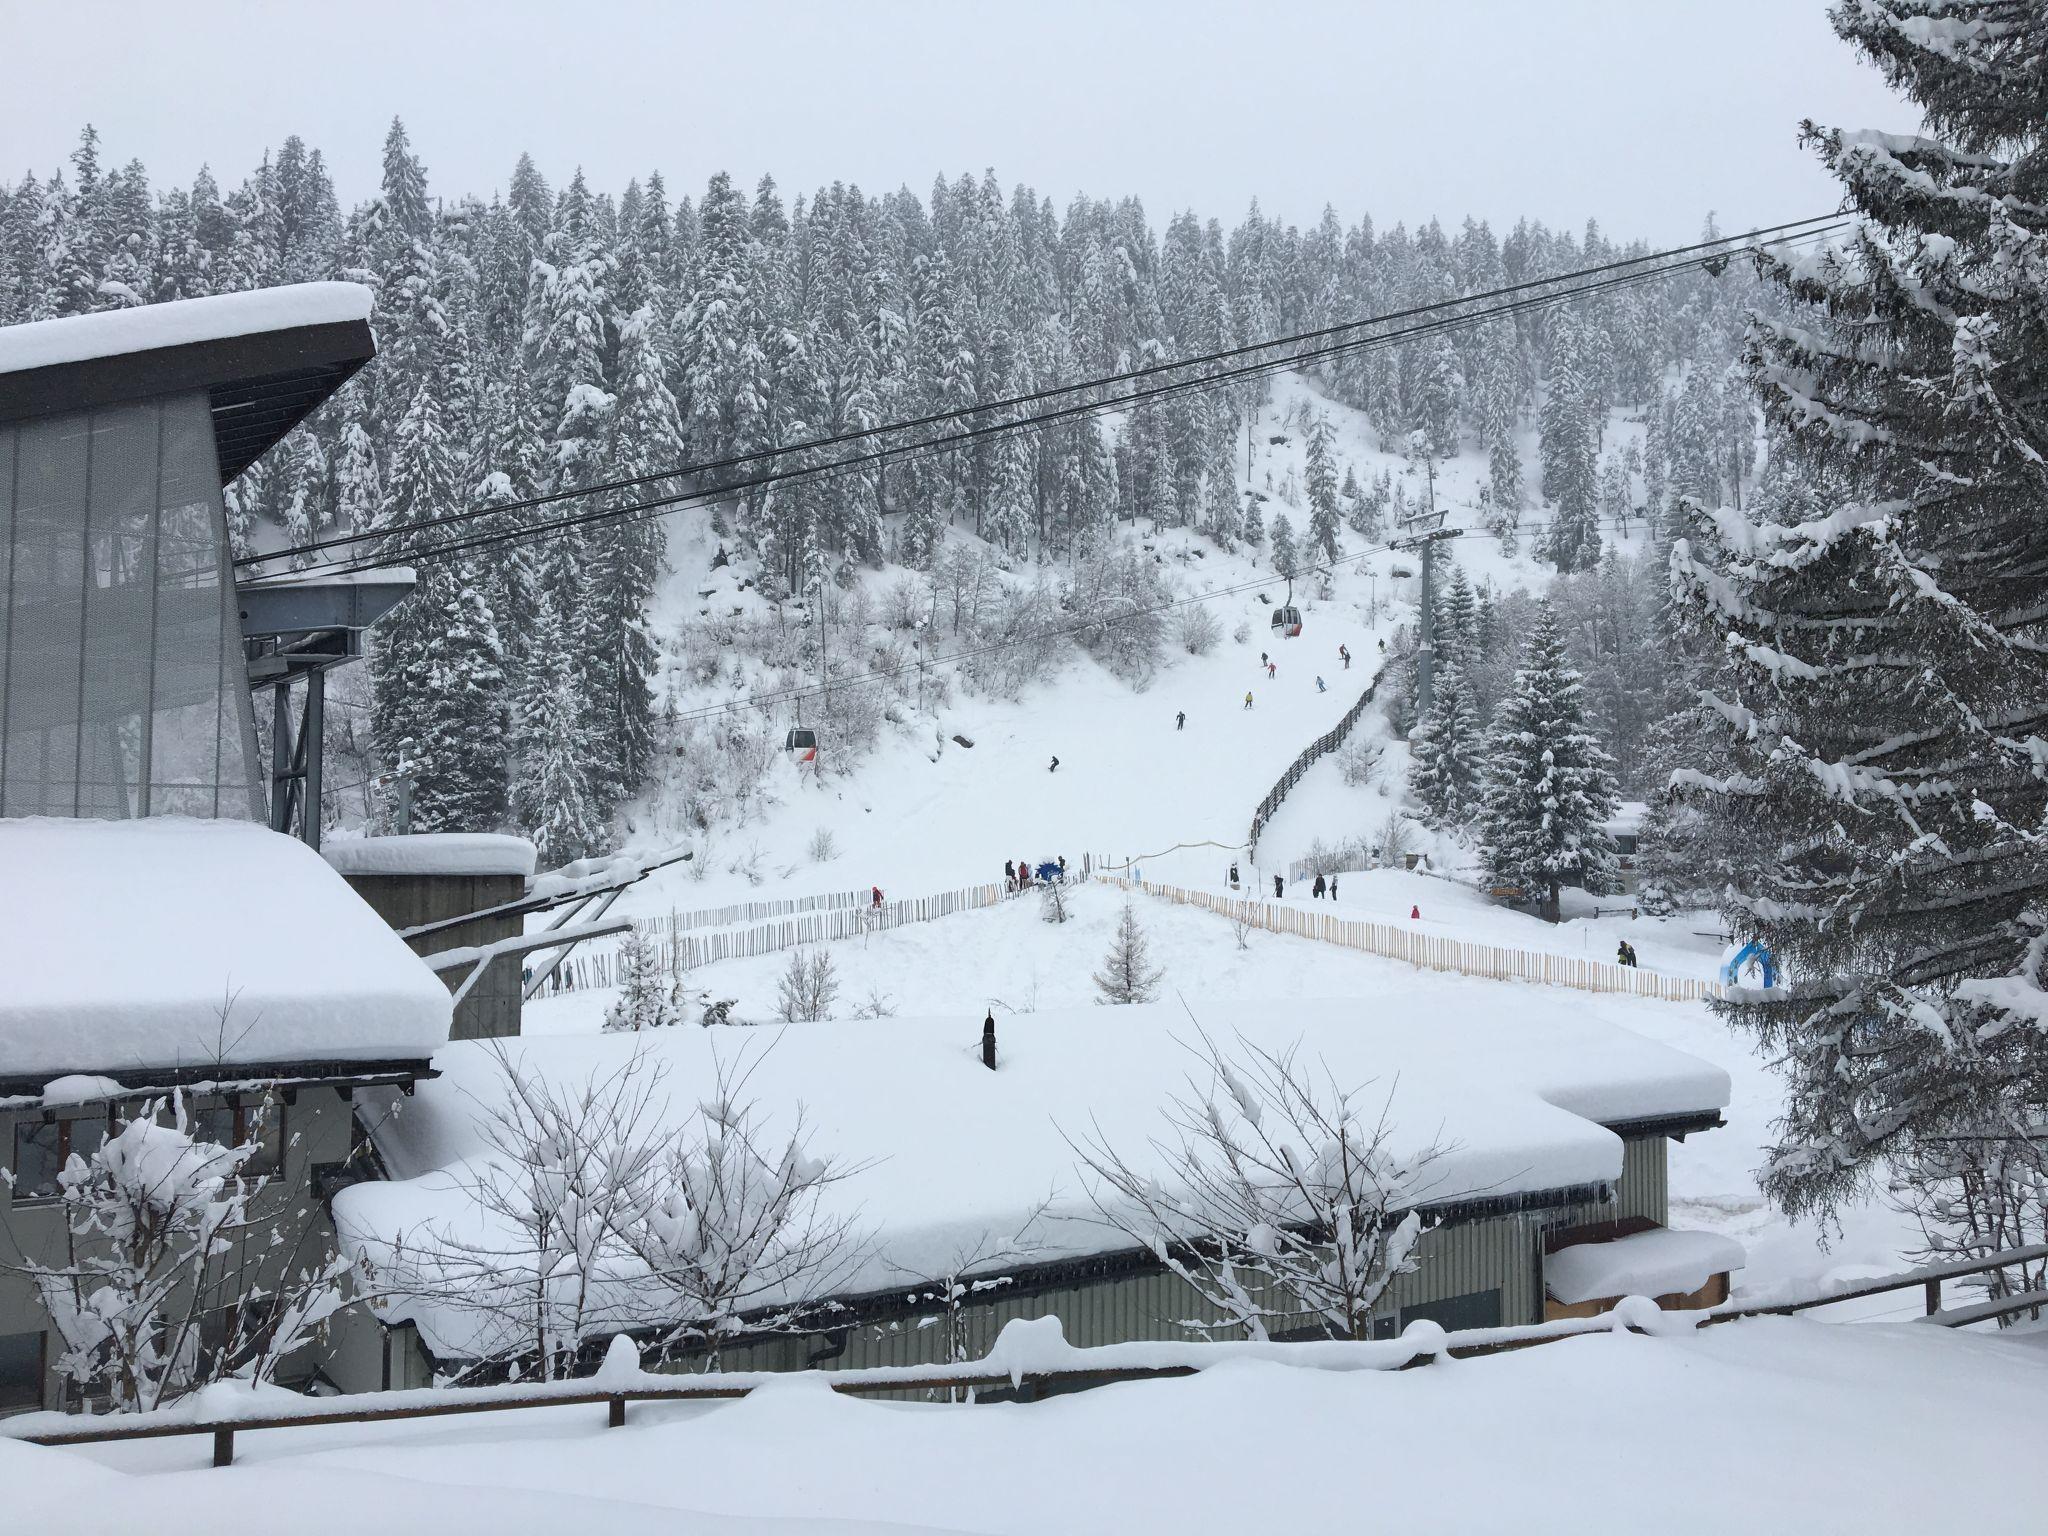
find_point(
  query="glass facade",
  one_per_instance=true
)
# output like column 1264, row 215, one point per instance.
column 122, row 687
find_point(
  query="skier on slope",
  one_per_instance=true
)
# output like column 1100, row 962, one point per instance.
column 1344, row 653
column 1010, row 873
column 1247, row 699
column 1316, row 890
column 1272, row 669
column 1055, row 768
column 1279, row 887
column 1321, row 687
column 876, row 892
column 1180, row 721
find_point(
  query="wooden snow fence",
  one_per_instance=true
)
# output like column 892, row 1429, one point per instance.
column 1435, row 952
column 748, row 912
column 822, row 926
column 1329, row 741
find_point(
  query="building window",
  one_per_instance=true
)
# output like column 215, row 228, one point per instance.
column 21, row 1372
column 230, row 1125
column 43, row 1146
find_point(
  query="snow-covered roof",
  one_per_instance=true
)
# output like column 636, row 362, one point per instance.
column 181, row 322
column 1659, row 1262
column 951, row 1152
column 1627, row 819
column 123, row 944
column 432, row 853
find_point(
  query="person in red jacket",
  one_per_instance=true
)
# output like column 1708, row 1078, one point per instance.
column 877, row 893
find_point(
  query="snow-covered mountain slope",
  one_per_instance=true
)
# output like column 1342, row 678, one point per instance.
column 920, row 813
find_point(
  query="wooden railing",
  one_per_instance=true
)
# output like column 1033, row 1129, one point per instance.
column 1329, row 741
column 1030, row 1358
column 1435, row 952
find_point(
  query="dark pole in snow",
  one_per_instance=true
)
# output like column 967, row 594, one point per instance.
column 988, row 1041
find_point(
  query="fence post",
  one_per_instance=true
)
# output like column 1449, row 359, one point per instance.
column 223, row 1447
column 1933, row 1297
column 615, row 1412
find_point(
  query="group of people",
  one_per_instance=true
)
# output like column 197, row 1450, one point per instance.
column 1018, row 874
column 1625, row 954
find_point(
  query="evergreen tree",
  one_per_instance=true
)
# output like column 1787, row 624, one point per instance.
column 1321, row 487
column 461, row 783
column 1442, row 396
column 420, row 486
column 1254, row 520
column 1447, row 751
column 1127, row 974
column 1456, row 630
column 1548, row 791
column 647, row 997
column 1888, row 660
column 554, row 798
column 1285, row 557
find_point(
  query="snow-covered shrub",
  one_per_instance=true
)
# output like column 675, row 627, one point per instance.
column 823, row 847
column 726, row 1222
column 605, row 1214
column 808, row 986
column 907, row 602
column 180, row 1269
column 1243, row 633
column 1327, row 858
column 876, row 1005
column 1359, row 759
column 1976, row 1196
column 1281, row 1205
column 1198, row 629
column 1117, row 598
column 1395, row 837
column 1127, row 974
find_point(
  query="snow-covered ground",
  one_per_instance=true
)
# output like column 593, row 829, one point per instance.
column 1768, row 1425
column 1009, row 960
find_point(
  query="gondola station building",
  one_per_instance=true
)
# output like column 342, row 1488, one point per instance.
column 163, row 949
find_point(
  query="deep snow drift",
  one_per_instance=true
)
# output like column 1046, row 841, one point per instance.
column 1768, row 1425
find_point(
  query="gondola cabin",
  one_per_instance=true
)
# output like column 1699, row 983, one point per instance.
column 1287, row 622
column 802, row 744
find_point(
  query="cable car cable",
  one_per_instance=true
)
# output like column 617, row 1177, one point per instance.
column 1745, row 240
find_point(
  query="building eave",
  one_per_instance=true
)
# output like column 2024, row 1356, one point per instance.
column 17, row 1093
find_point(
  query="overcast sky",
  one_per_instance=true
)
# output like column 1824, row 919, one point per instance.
column 1642, row 113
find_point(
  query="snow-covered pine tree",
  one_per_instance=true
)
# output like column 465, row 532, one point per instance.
column 624, row 560
column 460, row 756
column 1889, row 656
column 554, row 799
column 646, row 997
column 1286, row 558
column 1220, row 508
column 1447, row 752
column 1548, row 790
column 1254, row 519
column 1324, row 512
column 1127, row 974
column 1456, row 633
column 401, row 658
column 1442, row 396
